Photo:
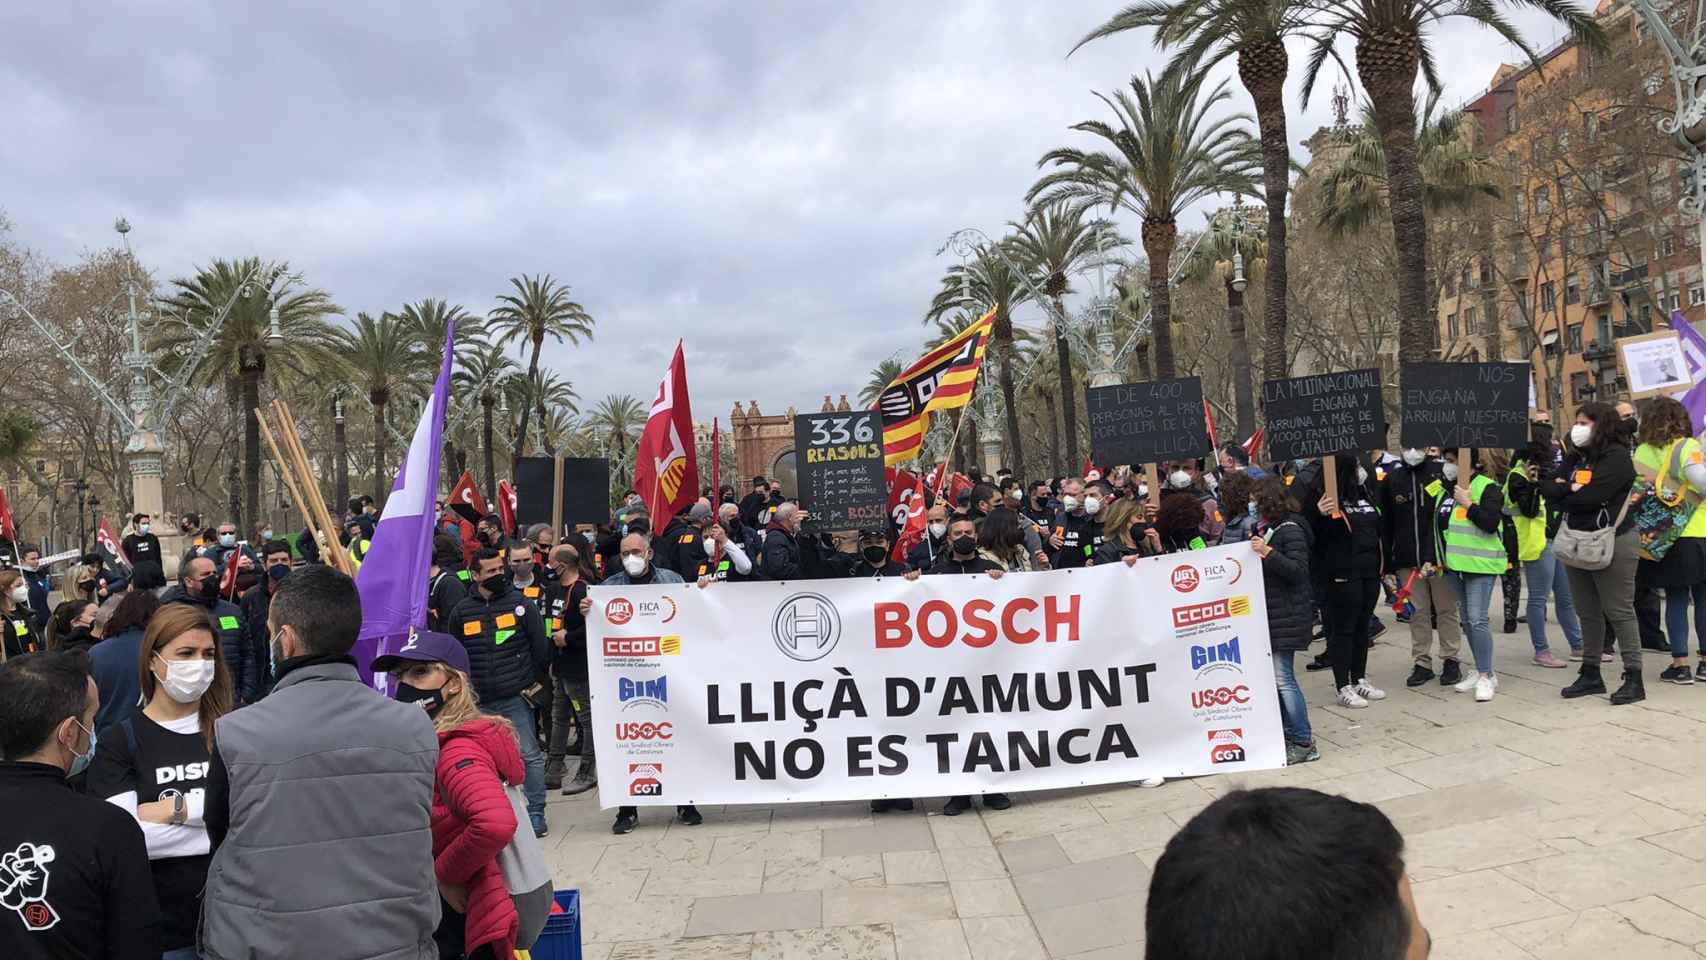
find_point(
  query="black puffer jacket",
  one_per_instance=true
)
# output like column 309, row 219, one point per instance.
column 505, row 639
column 1407, row 514
column 1347, row 547
column 1285, row 581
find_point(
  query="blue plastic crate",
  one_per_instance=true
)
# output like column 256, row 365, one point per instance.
column 561, row 939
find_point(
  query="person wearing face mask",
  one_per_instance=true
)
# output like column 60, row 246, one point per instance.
column 1473, row 554
column 75, row 871
column 16, row 621
column 571, row 697
column 509, row 651
column 1186, row 476
column 154, row 765
column 523, row 575
column 448, row 583
column 1038, row 506
column 1075, row 529
column 874, row 559
column 1281, row 542
column 257, row 602
column 720, row 558
column 1647, row 619
column 781, row 559
column 226, row 541
column 681, row 546
column 473, row 822
column 198, row 586
column 1592, row 488
column 141, row 546
column 319, row 799
column 1536, row 523
column 40, row 582
column 1238, row 507
column 934, row 543
column 1350, row 557
column 1668, row 452
column 1411, row 498
column 72, row 626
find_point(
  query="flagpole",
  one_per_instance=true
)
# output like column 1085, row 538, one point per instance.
column 942, row 474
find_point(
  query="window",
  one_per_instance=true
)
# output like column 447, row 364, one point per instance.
column 1544, row 250
column 1579, row 389
column 1451, row 326
column 1696, row 295
column 1543, row 200
column 1575, row 338
column 1521, row 203
column 1525, row 342
column 1667, row 247
column 1486, row 271
column 1602, row 331
column 1548, row 297
column 1572, row 291
column 1469, row 320
column 1464, row 278
column 1673, row 302
column 1510, row 119
column 1646, row 316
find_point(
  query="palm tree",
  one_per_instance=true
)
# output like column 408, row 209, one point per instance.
column 425, row 321
column 986, row 283
column 546, row 389
column 242, row 348
column 882, row 375
column 482, row 373
column 1131, row 305
column 538, row 308
column 1231, row 236
column 382, row 357
column 618, row 419
column 1254, row 32
column 1390, row 47
column 1167, row 154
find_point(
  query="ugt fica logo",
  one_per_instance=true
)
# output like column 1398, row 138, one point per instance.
column 806, row 626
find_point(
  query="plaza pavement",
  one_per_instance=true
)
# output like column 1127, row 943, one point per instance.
column 1534, row 827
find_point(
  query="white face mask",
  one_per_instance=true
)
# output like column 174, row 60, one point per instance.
column 142, row 529
column 227, row 539
column 938, row 530
column 21, row 593
column 266, row 534
column 1178, row 479
column 1092, row 504
column 1069, row 501
column 1414, row 457
column 710, row 547
column 1581, row 434
column 186, row 680
column 1143, row 490
column 1362, row 475
column 1013, row 495
column 634, row 564
column 1450, row 471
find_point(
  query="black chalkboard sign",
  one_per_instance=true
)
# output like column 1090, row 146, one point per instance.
column 586, row 490
column 839, row 461
column 1453, row 405
column 1138, row 423
column 1323, row 414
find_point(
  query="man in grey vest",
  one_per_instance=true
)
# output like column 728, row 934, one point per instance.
column 319, row 801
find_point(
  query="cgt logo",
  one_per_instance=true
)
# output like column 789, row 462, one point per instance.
column 647, row 779
column 645, row 731
column 621, row 611
column 628, row 648
column 1220, row 696
column 651, row 693
column 1185, row 578
column 1224, row 746
column 1197, row 614
column 1217, row 657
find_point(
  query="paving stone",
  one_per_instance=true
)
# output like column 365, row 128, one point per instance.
column 1002, row 938
column 961, row 832
column 1091, row 926
column 759, row 847
column 862, row 942
column 1083, row 882
column 1472, row 766
column 1030, row 856
column 1478, row 901
column 1605, row 875
column 652, row 919
column 737, row 947
column 828, row 873
column 973, row 863
column 930, row 940
column 1107, row 839
column 705, row 880
column 1468, row 848
column 1593, row 935
column 986, row 898
column 914, row 901
column 883, row 836
column 913, row 866
column 1663, row 918
column 754, row 912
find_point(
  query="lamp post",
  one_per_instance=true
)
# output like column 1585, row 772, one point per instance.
column 82, row 489
column 1688, row 122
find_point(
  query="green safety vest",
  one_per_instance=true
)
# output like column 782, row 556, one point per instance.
column 1468, row 548
column 1530, row 531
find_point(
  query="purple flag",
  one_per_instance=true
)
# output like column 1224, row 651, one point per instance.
column 393, row 577
column 1694, row 353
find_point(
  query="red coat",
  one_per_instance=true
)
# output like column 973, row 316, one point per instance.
column 472, row 822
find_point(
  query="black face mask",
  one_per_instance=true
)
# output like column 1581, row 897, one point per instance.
column 1137, row 532
column 496, row 584
column 965, row 545
column 875, row 555
column 210, row 588
column 277, row 572
column 430, row 700
column 79, row 635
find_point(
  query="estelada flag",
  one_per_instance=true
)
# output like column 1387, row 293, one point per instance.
column 666, row 462
column 942, row 379
column 465, row 499
column 7, row 530
column 506, row 507
column 110, row 551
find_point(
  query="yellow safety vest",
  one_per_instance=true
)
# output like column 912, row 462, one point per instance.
column 1468, row 548
column 1530, row 531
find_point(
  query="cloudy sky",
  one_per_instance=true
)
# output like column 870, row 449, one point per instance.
column 769, row 180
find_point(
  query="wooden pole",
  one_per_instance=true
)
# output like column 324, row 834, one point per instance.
column 1463, row 470
column 299, row 461
column 1152, row 476
column 953, row 441
column 1330, row 474
column 285, row 472
column 557, row 496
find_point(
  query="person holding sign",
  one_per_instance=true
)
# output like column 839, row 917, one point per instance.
column 1350, row 557
column 1410, row 504
column 1593, row 489
column 1474, row 556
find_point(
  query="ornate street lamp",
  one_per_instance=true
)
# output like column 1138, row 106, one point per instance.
column 1688, row 123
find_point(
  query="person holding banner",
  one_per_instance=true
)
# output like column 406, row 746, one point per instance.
column 1669, row 453
column 1593, row 489
column 1350, row 558
column 1474, row 555
column 1282, row 544
column 934, row 543
column 1076, row 531
column 570, row 693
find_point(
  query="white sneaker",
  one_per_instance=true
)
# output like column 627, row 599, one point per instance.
column 1348, row 697
column 1484, row 687
column 1468, row 683
column 1369, row 691
column 1152, row 782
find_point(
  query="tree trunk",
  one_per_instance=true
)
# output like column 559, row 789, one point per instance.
column 1243, row 392
column 1068, row 391
column 544, row 434
column 1139, row 363
column 1053, row 437
column 340, row 461
column 233, row 465
column 1004, row 374
column 1262, row 69
column 532, row 375
column 251, row 384
column 486, row 403
column 381, row 476
column 971, row 463
column 1387, row 65
column 1159, row 236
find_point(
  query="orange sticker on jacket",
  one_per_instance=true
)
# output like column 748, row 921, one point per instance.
column 471, row 628
column 1460, row 513
column 505, row 620
column 530, row 592
column 1582, row 476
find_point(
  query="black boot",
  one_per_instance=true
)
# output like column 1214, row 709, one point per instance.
column 1588, row 682
column 1634, row 689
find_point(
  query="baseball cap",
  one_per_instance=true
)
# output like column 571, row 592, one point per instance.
column 425, row 646
column 873, row 533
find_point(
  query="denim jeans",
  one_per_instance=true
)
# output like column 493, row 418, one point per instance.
column 1474, row 596
column 1294, row 710
column 516, row 711
column 1676, row 617
column 1545, row 575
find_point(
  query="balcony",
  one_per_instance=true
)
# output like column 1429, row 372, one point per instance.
column 1598, row 294
column 1624, row 279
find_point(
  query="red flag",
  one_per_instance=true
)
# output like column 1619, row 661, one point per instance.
column 466, row 501
column 1208, row 418
column 912, row 524
column 7, row 530
column 666, row 462
column 958, row 483
column 901, row 484
column 107, row 542
column 716, row 468
column 228, row 579
column 1089, row 467
column 1255, row 442
column 506, row 507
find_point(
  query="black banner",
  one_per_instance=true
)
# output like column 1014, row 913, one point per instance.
column 586, row 490
column 839, row 463
column 1138, row 423
column 1323, row 414
column 1465, row 405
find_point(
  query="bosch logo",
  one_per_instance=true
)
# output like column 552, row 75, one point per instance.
column 806, row 627
column 647, row 780
column 619, row 611
column 1226, row 746
column 645, row 731
column 1214, row 657
column 1186, row 578
column 1220, row 696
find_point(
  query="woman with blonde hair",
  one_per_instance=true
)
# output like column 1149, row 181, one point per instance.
column 474, row 818
column 154, row 764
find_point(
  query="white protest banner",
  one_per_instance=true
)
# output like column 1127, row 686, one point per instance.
column 816, row 690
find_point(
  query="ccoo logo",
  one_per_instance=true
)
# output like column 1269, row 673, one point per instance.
column 806, row 627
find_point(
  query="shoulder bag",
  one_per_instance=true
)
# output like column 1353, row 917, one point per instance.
column 1588, row 549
